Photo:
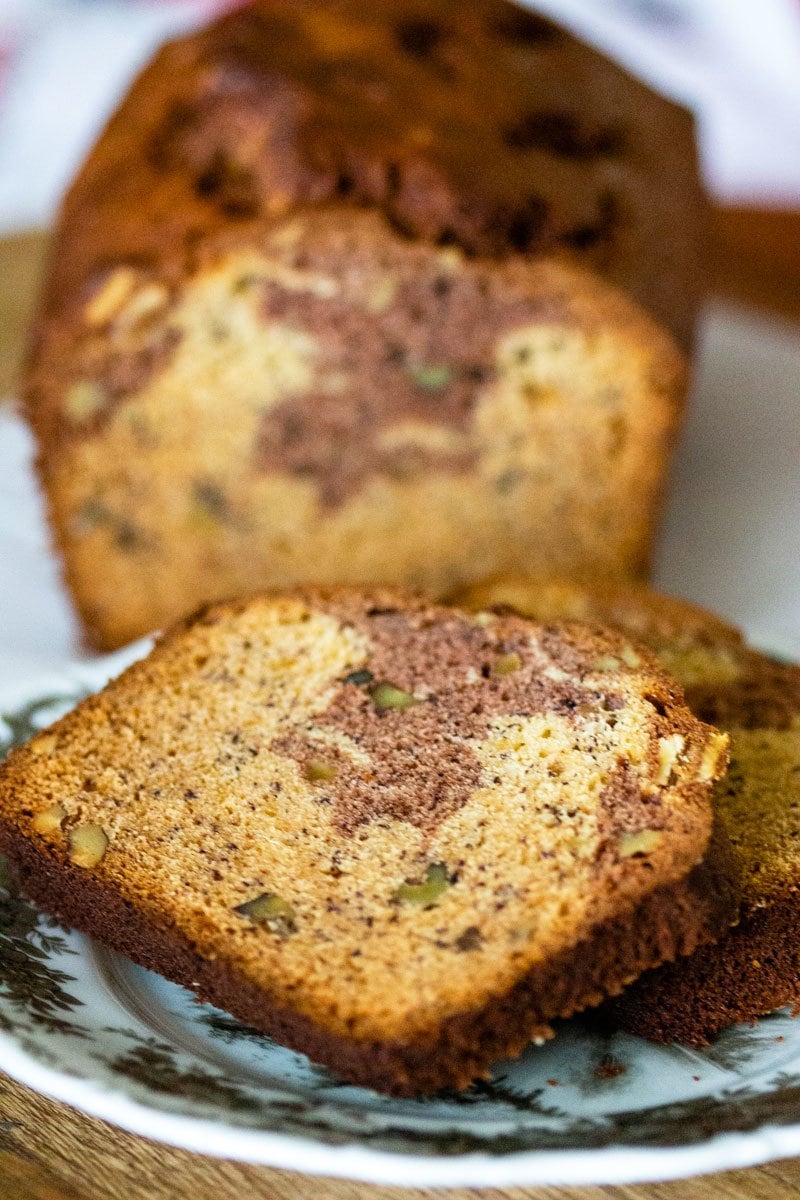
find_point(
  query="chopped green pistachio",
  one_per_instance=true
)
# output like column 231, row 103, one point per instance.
column 245, row 282
column 209, row 507
column 210, row 497
column 359, row 677
column 607, row 662
column 431, row 376
column 92, row 513
column 126, row 535
column 201, row 521
column 630, row 657
column 386, row 696
column 271, row 910
column 425, row 894
column 319, row 771
column 507, row 664
column 506, row 481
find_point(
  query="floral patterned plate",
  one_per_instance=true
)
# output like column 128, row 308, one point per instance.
column 85, row 1026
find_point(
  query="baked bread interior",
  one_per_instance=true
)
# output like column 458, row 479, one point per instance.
column 398, row 837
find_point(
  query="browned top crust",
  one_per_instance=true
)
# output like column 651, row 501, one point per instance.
column 479, row 124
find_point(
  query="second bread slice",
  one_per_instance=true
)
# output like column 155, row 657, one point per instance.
column 755, row 967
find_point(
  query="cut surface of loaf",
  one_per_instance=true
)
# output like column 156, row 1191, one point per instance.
column 397, row 837
column 326, row 297
column 755, row 968
column 348, row 405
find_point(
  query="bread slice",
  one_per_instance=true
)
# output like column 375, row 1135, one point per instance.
column 397, row 837
column 330, row 289
column 755, row 968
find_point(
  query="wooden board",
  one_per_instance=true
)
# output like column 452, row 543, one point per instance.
column 50, row 1152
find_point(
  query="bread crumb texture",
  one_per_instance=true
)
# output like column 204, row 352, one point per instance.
column 347, row 405
column 756, row 699
column 381, row 813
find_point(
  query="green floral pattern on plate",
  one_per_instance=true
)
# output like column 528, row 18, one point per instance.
column 90, row 1014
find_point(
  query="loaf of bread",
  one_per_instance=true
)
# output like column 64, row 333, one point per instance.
column 755, row 968
column 364, row 292
column 399, row 838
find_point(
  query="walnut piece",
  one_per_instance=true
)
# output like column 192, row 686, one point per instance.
column 642, row 842
column 49, row 820
column 110, row 298
column 714, row 759
column 87, row 845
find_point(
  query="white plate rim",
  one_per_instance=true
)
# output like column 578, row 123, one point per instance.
column 593, row 1167
column 618, row 1164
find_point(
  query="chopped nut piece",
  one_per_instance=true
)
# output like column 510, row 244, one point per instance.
column 450, row 258
column 430, row 376
column 386, row 696
column 210, row 508
column 49, row 820
column 712, row 764
column 507, row 664
column 87, row 845
column 334, row 384
column 111, row 297
column 484, row 618
column 639, row 843
column 382, row 294
column 424, row 894
column 630, row 657
column 470, row 939
column 45, row 743
column 83, row 400
column 144, row 304
column 669, row 750
column 319, row 771
column 607, row 662
column 359, row 677
column 270, row 910
column 507, row 481
column 288, row 235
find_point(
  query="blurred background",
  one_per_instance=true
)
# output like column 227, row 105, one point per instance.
column 64, row 63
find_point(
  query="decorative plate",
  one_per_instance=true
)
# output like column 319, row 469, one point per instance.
column 85, row 1026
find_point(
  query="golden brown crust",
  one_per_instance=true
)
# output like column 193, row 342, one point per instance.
column 185, row 792
column 671, row 921
column 289, row 103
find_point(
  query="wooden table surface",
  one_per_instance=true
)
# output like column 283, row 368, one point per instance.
column 50, row 1152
